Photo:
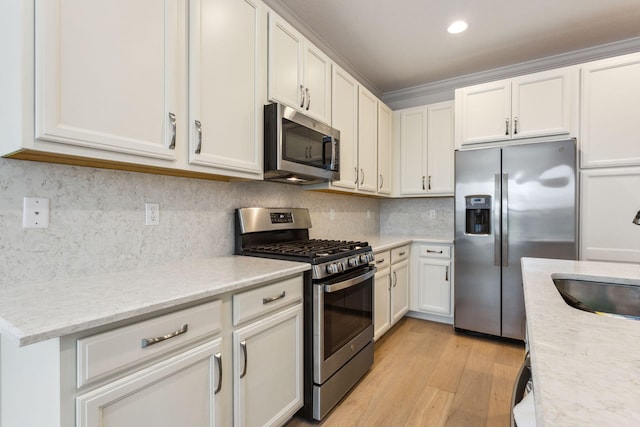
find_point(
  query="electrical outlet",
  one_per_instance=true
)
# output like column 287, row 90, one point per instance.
column 432, row 214
column 151, row 214
column 35, row 213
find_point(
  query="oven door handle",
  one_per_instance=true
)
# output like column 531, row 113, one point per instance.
column 351, row 282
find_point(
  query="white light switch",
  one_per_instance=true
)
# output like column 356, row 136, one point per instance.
column 35, row 212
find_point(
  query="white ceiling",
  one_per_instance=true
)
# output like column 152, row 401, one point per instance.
column 397, row 44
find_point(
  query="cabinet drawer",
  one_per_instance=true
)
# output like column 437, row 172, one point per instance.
column 382, row 259
column 251, row 304
column 398, row 254
column 435, row 251
column 105, row 353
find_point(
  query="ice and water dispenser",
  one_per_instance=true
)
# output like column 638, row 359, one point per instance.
column 478, row 209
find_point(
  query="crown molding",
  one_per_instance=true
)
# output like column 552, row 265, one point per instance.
column 445, row 88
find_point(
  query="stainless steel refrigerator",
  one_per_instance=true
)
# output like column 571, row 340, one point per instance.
column 510, row 202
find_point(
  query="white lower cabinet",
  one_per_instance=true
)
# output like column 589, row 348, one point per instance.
column 432, row 282
column 268, row 369
column 391, row 289
column 182, row 390
column 236, row 360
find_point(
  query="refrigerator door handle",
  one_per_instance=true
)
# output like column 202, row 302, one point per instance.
column 505, row 219
column 496, row 220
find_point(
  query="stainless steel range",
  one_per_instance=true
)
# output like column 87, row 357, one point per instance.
column 338, row 299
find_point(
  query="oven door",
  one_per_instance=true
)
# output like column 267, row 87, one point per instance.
column 343, row 320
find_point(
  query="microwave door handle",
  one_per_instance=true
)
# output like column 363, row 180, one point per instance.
column 333, row 165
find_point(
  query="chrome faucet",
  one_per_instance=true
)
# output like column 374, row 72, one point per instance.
column 636, row 220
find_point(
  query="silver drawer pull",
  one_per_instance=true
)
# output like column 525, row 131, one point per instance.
column 272, row 299
column 434, row 252
column 380, row 261
column 218, row 358
column 402, row 253
column 146, row 342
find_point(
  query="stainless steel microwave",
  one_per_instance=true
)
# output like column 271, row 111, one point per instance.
column 297, row 148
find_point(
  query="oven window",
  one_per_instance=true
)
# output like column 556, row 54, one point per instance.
column 301, row 144
column 347, row 313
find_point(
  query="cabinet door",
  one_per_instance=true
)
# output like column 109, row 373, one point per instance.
column 367, row 141
column 385, row 137
column 440, row 149
column 434, row 293
column 286, row 47
column 225, row 110
column 381, row 311
column 399, row 290
column 610, row 200
column 413, row 143
column 345, row 118
column 483, row 113
column 610, row 101
column 180, row 391
column 542, row 103
column 94, row 88
column 317, row 83
column 268, row 369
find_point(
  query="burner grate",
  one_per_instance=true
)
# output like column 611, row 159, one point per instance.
column 311, row 248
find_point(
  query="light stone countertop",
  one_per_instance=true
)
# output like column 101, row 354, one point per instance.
column 586, row 367
column 384, row 242
column 35, row 312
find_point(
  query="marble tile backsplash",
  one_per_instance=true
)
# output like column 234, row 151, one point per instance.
column 410, row 217
column 97, row 218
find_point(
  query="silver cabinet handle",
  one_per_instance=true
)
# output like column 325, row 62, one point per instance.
column 361, row 176
column 199, row 132
column 381, row 181
column 146, row 342
column 302, row 94
column 446, row 273
column 515, row 125
column 272, row 299
column 431, row 251
column 506, row 126
column 172, row 120
column 380, row 261
column 402, row 253
column 218, row 358
column 395, row 279
column 423, row 182
column 308, row 99
column 243, row 346
column 429, row 182
column 355, row 170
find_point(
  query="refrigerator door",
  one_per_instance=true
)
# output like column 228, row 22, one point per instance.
column 538, row 217
column 477, row 259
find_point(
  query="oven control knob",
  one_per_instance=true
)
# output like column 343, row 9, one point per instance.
column 335, row 268
column 353, row 262
column 366, row 258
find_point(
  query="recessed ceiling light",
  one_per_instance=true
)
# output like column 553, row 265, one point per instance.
column 457, row 27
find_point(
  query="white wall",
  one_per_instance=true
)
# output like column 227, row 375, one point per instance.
column 97, row 218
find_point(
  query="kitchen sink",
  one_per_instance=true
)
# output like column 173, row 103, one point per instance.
column 601, row 297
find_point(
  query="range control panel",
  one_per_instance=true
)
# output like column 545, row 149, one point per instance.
column 281, row 217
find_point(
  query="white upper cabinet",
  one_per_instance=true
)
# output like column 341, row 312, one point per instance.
column 385, row 152
column 426, row 164
column 299, row 73
column 106, row 77
column 536, row 105
column 225, row 103
column 344, row 113
column 367, row 141
column 610, row 102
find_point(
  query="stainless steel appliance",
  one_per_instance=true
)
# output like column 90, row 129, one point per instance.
column 510, row 202
column 297, row 148
column 338, row 299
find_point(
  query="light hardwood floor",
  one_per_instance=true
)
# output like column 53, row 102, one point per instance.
column 424, row 374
